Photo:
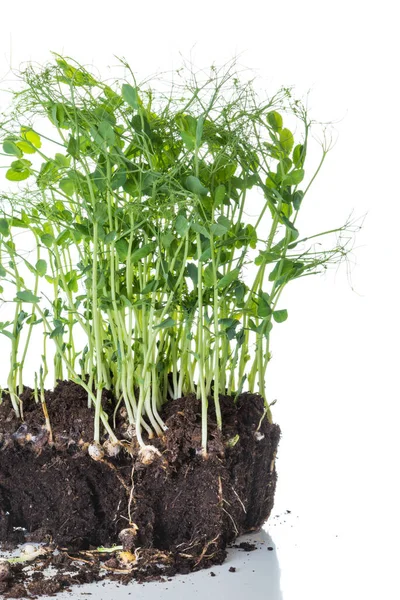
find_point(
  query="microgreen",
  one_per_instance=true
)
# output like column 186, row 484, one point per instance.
column 138, row 203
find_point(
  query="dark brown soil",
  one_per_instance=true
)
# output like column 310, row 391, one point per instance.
column 184, row 509
column 246, row 546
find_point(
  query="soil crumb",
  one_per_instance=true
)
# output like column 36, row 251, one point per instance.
column 247, row 546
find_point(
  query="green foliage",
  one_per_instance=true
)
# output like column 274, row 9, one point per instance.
column 130, row 95
column 27, row 296
column 139, row 207
column 19, row 170
column 280, row 315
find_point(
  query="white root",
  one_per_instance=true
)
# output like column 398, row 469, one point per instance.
column 148, row 454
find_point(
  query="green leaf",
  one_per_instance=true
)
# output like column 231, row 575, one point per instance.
column 130, row 95
column 142, row 252
column 31, row 136
column 219, row 195
column 272, row 181
column 188, row 124
column 273, row 151
column 199, row 131
column 265, row 327
column 30, row 267
column 286, row 140
column 282, row 267
column 32, row 320
column 99, row 178
column 253, row 326
column 10, row 147
column 275, row 120
column 26, row 148
column 193, row 184
column 73, row 147
column 13, row 175
column 193, row 272
column 67, row 186
column 266, row 258
column 4, row 227
column 240, row 290
column 298, row 155
column 150, row 287
column 284, row 166
column 297, row 199
column 110, row 237
column 47, row 240
column 104, row 112
column 7, row 334
column 27, row 296
column 57, row 331
column 218, row 229
column 3, row 272
column 222, row 220
column 57, row 115
column 208, row 276
column 126, row 300
column 171, row 281
column 200, row 229
column 280, row 315
column 105, row 133
column 118, row 178
column 181, row 225
column 21, row 164
column 122, row 248
column 41, row 267
column 73, row 76
column 206, row 255
column 264, row 309
column 165, row 324
column 294, row 233
column 100, row 213
column 49, row 174
column 295, row 177
column 226, row 323
column 224, row 170
column 62, row 161
column 141, row 125
column 63, row 237
column 188, row 140
column 73, row 283
column 228, row 278
column 167, row 239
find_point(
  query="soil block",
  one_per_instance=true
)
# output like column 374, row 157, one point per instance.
column 180, row 504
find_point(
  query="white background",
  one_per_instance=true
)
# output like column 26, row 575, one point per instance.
column 335, row 365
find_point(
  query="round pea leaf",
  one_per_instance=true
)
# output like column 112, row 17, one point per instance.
column 280, row 315
column 295, row 177
column 11, row 147
column 286, row 140
column 27, row 296
column 31, row 136
column 26, row 148
column 41, row 267
column 4, row 227
column 130, row 95
column 194, row 185
column 275, row 120
column 13, row 175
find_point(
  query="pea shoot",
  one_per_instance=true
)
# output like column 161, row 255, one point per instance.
column 164, row 228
